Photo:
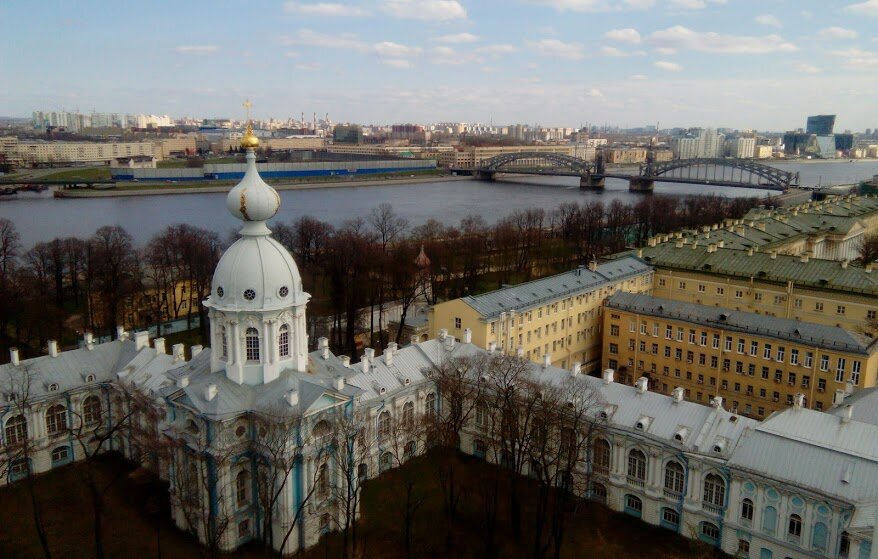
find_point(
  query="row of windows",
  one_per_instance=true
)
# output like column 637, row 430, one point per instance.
column 16, row 429
column 252, row 345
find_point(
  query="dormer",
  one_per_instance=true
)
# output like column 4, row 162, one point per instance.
column 681, row 434
column 719, row 445
column 643, row 423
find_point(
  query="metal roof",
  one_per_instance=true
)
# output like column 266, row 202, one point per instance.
column 533, row 293
column 797, row 331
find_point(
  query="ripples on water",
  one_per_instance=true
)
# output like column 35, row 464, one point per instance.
column 39, row 217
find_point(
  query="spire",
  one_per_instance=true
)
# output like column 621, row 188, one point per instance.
column 252, row 201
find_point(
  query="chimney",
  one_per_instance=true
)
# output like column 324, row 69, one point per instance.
column 323, row 344
column 642, row 384
column 717, row 402
column 346, row 361
column 183, row 381
column 838, row 399
column 720, row 244
column 13, row 356
column 761, row 226
column 120, row 333
column 679, row 243
column 640, row 253
column 803, row 257
column 608, row 376
column 179, row 352
column 750, row 251
column 210, row 392
column 519, row 352
column 141, row 340
column 547, row 360
column 159, row 345
column 388, row 355
column 449, row 343
column 53, row 348
column 869, row 267
column 847, row 414
column 577, row 368
column 195, row 350
column 443, row 333
column 593, row 265
column 292, row 397
column 844, row 264
column 651, row 242
column 711, row 247
column 392, row 347
column 492, row 347
column 415, row 339
column 364, row 361
column 799, row 401
column 849, row 387
column 467, row 336
column 89, row 340
column 339, row 383
column 773, row 254
column 677, row 394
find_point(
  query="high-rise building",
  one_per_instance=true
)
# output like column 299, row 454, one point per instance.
column 821, row 125
column 347, row 135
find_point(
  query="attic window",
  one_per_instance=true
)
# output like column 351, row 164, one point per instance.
column 603, row 415
column 408, row 381
column 89, row 378
column 706, row 266
column 53, row 387
column 678, row 437
column 718, row 449
column 382, row 390
column 761, row 274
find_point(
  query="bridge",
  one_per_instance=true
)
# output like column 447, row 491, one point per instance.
column 742, row 173
column 14, row 186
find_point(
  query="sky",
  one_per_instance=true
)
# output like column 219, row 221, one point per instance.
column 724, row 63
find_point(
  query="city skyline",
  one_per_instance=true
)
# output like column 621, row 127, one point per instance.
column 677, row 62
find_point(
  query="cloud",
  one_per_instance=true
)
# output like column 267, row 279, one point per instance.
column 665, row 51
column 637, row 77
column 858, row 58
column 640, row 4
column 427, row 10
column 329, row 9
column 869, row 8
column 808, row 69
column 612, row 51
column 399, row 63
column 595, row 93
column 554, row 47
column 768, row 20
column 627, row 35
column 197, row 49
column 832, row 33
column 583, row 6
column 497, row 50
column 667, row 66
column 310, row 67
column 457, row 38
column 683, row 38
column 309, row 38
column 388, row 49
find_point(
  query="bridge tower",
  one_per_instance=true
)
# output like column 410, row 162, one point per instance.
column 594, row 180
column 644, row 182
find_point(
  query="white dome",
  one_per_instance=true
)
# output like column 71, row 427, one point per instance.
column 256, row 273
column 252, row 199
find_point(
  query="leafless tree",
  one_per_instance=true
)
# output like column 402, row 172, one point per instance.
column 112, row 273
column 869, row 249
column 350, row 452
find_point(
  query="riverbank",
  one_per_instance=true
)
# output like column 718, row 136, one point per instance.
column 135, row 189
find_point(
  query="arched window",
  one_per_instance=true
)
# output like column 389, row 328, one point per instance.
column 794, row 528
column 633, row 505
column 362, row 472
column 410, row 449
column 242, row 488
column 60, row 455
column 225, row 343
column 481, row 414
column 321, row 432
column 56, row 419
column 637, row 466
column 479, row 448
column 283, row 341
column 91, row 410
column 674, row 478
column 430, row 405
column 769, row 519
column 818, row 537
column 385, row 462
column 599, row 492
column 670, row 518
column 844, row 545
column 714, row 491
column 747, row 510
column 408, row 415
column 322, row 489
column 16, row 430
column 252, row 344
column 601, row 455
column 383, row 425
column 709, row 532
column 190, row 489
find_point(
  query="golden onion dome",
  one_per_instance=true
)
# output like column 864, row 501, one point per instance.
column 249, row 140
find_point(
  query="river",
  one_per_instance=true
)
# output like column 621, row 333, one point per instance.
column 40, row 217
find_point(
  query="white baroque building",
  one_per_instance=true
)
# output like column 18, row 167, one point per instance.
column 800, row 484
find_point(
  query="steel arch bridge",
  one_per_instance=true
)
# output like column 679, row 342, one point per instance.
column 575, row 164
column 771, row 176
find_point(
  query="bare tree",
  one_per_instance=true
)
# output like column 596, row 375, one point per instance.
column 350, row 452
column 869, row 249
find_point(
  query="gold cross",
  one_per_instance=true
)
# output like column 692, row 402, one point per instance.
column 247, row 104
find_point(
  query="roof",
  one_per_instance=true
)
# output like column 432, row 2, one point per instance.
column 796, row 331
column 537, row 292
column 748, row 264
column 864, row 406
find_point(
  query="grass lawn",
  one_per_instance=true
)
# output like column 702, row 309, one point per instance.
column 137, row 521
column 82, row 173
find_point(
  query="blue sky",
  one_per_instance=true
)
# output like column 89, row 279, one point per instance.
column 736, row 63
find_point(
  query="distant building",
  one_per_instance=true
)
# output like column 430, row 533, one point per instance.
column 697, row 143
column 844, row 142
column 35, row 152
column 134, row 162
column 741, row 148
column 347, row 135
column 821, row 125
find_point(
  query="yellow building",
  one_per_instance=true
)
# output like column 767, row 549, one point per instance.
column 623, row 156
column 557, row 318
column 471, row 156
column 756, row 363
column 38, row 151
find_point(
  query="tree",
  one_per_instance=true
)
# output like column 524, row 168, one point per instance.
column 350, row 451
column 869, row 249
column 112, row 273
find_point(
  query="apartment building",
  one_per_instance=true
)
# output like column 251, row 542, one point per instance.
column 555, row 319
column 471, row 156
column 39, row 152
column 756, row 363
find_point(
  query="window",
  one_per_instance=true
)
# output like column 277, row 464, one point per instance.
column 385, row 462
column 408, row 415
column 781, row 353
column 614, row 348
column 703, row 339
column 636, row 465
column 809, row 359
column 715, row 341
column 824, row 362
column 383, row 425
column 839, row 309
column 720, row 291
column 479, row 448
column 871, row 315
column 599, row 492
column 844, row 546
column 252, row 344
column 794, row 356
column 670, row 517
column 839, row 370
column 818, row 537
column 457, row 322
column 818, row 307
column 794, row 528
column 728, row 345
column 321, row 488
column 674, row 478
column 739, row 294
column 769, row 519
column 747, row 510
column 242, row 488
column 743, row 548
column 283, row 341
column 855, row 372
column 244, row 529
column 754, row 348
column 682, row 285
column 633, row 505
column 225, row 343
column 701, row 288
column 61, row 455
column 766, row 352
column 18, row 469
column 16, row 430
column 714, row 490
column 601, row 455
column 740, row 345
column 249, row 294
column 614, row 329
column 91, row 410
column 709, row 532
column 56, row 419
